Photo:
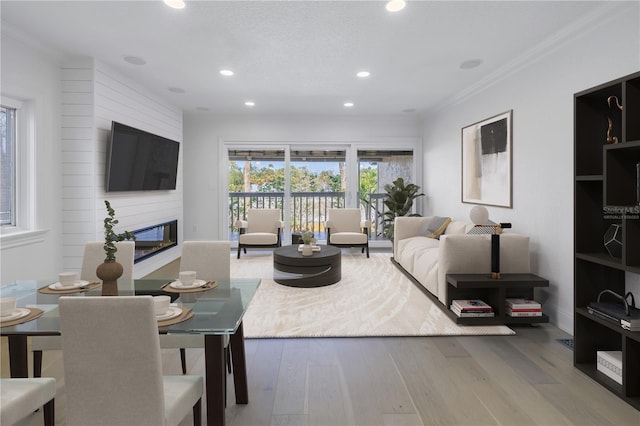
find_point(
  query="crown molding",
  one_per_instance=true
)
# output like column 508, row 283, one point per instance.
column 586, row 24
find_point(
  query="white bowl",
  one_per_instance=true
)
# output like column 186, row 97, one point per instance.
column 7, row 306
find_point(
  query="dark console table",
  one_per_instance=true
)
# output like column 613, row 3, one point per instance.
column 494, row 292
column 322, row 268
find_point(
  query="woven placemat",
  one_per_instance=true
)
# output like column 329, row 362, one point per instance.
column 90, row 286
column 35, row 313
column 205, row 287
column 184, row 315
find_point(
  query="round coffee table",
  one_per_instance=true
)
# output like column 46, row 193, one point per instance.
column 322, row 268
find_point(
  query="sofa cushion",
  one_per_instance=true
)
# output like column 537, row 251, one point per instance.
column 408, row 247
column 425, row 268
column 436, row 226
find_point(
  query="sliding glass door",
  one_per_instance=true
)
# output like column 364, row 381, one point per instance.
column 377, row 168
column 305, row 182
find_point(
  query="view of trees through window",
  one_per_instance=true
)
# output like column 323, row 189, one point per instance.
column 318, row 181
column 248, row 176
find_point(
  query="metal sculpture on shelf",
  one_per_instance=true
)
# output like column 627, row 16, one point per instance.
column 612, row 139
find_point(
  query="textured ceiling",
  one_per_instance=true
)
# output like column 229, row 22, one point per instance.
column 299, row 57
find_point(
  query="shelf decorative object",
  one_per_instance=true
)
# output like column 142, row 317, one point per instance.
column 610, row 138
column 613, row 240
column 109, row 271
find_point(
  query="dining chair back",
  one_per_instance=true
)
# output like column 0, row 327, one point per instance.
column 20, row 399
column 210, row 259
column 112, row 365
column 94, row 255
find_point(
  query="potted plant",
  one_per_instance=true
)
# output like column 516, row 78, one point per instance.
column 398, row 201
column 307, row 238
column 109, row 271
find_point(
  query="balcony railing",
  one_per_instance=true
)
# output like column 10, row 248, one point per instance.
column 308, row 210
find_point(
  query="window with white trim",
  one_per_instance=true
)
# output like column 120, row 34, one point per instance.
column 17, row 202
column 8, row 147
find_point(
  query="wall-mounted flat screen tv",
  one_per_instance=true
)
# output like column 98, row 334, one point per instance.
column 140, row 161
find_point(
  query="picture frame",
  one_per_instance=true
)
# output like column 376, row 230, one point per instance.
column 487, row 171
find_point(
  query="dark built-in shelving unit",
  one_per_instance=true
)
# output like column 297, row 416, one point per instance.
column 605, row 179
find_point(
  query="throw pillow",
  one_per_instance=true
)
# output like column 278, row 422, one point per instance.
column 436, row 226
column 482, row 230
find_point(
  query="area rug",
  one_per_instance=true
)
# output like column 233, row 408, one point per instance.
column 373, row 298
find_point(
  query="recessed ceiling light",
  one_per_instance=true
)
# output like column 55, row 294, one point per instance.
column 348, row 104
column 363, row 74
column 176, row 89
column 226, row 73
column 134, row 60
column 176, row 4
column 471, row 63
column 250, row 103
column 395, row 5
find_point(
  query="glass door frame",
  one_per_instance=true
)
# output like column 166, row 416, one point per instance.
column 351, row 148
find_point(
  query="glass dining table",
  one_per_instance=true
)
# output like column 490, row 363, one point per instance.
column 217, row 313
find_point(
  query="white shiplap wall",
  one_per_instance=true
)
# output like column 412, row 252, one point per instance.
column 94, row 95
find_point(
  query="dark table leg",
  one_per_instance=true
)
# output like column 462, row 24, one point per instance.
column 18, row 362
column 214, row 378
column 239, row 366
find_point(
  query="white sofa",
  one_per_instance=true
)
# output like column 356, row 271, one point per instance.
column 429, row 260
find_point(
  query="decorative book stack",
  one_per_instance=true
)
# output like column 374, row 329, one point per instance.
column 471, row 308
column 523, row 308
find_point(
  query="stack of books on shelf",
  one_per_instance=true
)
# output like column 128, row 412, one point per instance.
column 631, row 322
column 523, row 308
column 471, row 308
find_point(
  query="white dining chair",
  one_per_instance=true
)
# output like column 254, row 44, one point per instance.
column 113, row 367
column 21, row 398
column 346, row 228
column 93, row 256
column 211, row 260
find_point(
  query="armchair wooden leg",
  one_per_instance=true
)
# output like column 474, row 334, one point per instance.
column 367, row 251
column 239, row 251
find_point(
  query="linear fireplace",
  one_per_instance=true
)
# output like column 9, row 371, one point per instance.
column 154, row 239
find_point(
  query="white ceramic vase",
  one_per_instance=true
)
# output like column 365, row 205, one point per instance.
column 307, row 250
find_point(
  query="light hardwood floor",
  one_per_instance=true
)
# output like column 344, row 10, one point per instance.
column 526, row 379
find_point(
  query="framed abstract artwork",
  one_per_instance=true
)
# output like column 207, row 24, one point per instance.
column 487, row 161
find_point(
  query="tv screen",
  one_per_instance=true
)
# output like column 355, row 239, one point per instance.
column 140, row 161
